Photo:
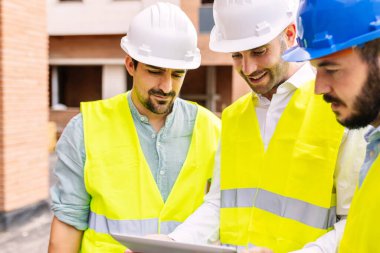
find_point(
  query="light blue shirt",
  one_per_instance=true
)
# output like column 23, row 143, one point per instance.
column 373, row 147
column 164, row 151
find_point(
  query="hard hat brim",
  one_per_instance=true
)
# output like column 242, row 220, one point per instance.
column 238, row 45
column 300, row 54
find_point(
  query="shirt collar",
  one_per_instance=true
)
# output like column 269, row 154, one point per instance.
column 373, row 134
column 302, row 76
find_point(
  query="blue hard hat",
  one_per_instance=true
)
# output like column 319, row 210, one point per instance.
column 328, row 26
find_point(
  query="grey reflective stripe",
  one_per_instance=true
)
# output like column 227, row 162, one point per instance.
column 102, row 224
column 167, row 227
column 240, row 248
column 291, row 208
column 238, row 197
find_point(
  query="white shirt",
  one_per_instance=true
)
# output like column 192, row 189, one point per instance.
column 203, row 225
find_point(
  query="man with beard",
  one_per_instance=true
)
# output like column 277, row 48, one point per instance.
column 348, row 76
column 137, row 163
column 286, row 166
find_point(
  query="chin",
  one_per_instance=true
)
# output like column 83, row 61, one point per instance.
column 260, row 89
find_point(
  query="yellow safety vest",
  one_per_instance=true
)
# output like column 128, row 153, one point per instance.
column 283, row 197
column 362, row 232
column 124, row 195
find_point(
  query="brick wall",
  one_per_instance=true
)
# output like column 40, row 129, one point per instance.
column 91, row 46
column 23, row 104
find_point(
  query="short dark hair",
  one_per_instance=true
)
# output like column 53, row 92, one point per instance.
column 370, row 52
column 135, row 63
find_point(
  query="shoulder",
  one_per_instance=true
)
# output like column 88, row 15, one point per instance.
column 105, row 105
column 193, row 110
column 186, row 108
column 74, row 127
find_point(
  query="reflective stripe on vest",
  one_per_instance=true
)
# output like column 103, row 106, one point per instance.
column 102, row 224
column 362, row 231
column 309, row 214
column 281, row 197
column 166, row 227
column 125, row 198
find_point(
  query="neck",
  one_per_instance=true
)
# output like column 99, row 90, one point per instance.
column 157, row 121
column 376, row 122
column 270, row 93
column 293, row 67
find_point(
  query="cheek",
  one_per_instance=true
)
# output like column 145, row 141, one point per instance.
column 177, row 85
column 147, row 83
column 269, row 62
column 348, row 86
column 237, row 65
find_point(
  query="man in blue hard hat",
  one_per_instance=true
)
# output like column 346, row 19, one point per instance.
column 342, row 39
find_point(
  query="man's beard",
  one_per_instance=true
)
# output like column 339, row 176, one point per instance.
column 277, row 75
column 366, row 106
column 163, row 107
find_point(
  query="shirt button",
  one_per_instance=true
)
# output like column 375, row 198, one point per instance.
column 153, row 136
column 158, row 143
column 162, row 172
column 142, row 118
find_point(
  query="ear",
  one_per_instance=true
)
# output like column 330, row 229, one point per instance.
column 290, row 34
column 129, row 65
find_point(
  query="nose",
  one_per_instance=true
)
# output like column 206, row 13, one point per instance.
column 166, row 82
column 249, row 65
column 322, row 85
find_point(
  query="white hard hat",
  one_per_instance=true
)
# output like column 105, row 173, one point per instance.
column 246, row 24
column 162, row 35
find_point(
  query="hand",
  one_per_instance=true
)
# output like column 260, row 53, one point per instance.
column 156, row 237
column 257, row 250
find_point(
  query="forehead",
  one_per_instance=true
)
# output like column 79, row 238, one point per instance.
column 271, row 44
column 341, row 57
column 164, row 69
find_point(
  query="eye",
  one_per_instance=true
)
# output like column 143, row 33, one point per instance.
column 259, row 52
column 178, row 75
column 236, row 56
column 331, row 71
column 154, row 72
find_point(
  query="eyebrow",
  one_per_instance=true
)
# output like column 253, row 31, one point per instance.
column 181, row 71
column 266, row 45
column 326, row 63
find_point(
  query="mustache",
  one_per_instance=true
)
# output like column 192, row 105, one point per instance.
column 330, row 99
column 160, row 92
column 255, row 73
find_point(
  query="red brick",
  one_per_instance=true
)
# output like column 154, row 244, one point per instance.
column 23, row 103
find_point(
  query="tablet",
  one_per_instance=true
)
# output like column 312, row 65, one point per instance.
column 148, row 245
